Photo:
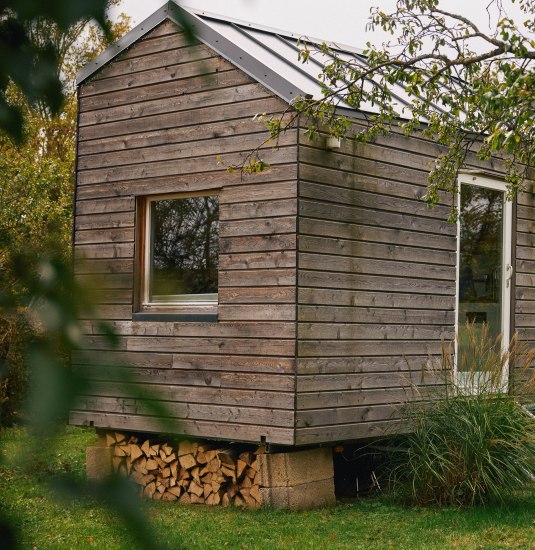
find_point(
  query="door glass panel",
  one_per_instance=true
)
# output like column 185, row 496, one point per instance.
column 480, row 269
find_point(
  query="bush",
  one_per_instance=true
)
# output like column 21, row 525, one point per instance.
column 470, row 444
column 14, row 336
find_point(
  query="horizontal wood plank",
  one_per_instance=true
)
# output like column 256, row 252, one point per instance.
column 104, row 250
column 336, row 315
column 345, row 415
column 195, row 394
column 347, row 432
column 174, row 104
column 196, row 428
column 257, row 277
column 394, row 300
column 258, row 260
column 349, row 365
column 188, row 411
column 257, row 209
column 356, row 197
column 179, row 119
column 313, row 348
column 102, row 206
column 182, row 377
column 98, row 265
column 387, row 251
column 178, row 51
column 237, row 346
column 405, row 221
column 370, row 331
column 370, row 233
column 104, row 236
column 193, row 148
column 366, row 381
column 163, row 74
column 164, row 135
column 185, row 166
column 243, row 363
column 353, row 398
column 266, row 312
column 234, row 329
column 251, row 243
column 258, row 295
column 373, row 283
column 358, row 265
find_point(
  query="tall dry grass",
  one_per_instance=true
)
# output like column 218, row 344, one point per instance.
column 470, row 440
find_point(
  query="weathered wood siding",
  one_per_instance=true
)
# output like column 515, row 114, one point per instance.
column 374, row 268
column 376, row 282
column 524, row 263
column 151, row 122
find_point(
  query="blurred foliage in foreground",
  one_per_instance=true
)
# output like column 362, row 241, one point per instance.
column 37, row 183
column 40, row 302
column 35, row 39
column 50, row 42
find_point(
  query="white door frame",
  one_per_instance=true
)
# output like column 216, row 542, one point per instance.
column 507, row 267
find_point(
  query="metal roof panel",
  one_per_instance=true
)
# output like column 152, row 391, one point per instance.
column 267, row 55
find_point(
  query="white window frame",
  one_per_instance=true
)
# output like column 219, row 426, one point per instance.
column 507, row 268
column 180, row 300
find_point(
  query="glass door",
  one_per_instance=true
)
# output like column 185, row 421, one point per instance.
column 484, row 275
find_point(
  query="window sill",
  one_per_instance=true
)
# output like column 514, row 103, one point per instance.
column 176, row 317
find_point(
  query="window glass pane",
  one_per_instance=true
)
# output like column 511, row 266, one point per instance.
column 184, row 248
column 480, row 268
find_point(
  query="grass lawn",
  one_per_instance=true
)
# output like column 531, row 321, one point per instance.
column 372, row 523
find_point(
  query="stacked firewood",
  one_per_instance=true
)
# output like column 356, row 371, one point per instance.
column 190, row 473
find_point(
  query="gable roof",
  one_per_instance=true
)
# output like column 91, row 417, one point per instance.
column 267, row 55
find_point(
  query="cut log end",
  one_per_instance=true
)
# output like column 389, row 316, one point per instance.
column 190, row 473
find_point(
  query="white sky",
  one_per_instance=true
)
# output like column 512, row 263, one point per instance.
column 342, row 21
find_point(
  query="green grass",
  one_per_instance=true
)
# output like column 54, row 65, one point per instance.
column 371, row 524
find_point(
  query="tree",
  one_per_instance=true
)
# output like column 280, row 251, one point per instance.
column 36, row 184
column 30, row 56
column 37, row 170
column 470, row 91
column 40, row 302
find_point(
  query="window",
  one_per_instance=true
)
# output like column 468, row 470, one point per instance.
column 484, row 267
column 180, row 253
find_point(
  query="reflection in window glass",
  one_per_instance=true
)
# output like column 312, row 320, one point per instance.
column 480, row 267
column 184, row 249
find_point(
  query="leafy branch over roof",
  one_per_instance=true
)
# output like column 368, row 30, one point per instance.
column 469, row 90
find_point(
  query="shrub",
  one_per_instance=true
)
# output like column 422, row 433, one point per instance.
column 14, row 336
column 469, row 444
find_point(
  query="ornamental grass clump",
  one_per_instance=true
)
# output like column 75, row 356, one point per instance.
column 472, row 441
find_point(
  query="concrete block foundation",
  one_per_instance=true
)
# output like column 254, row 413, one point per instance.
column 98, row 460
column 297, row 481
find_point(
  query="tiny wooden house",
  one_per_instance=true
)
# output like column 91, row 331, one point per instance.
column 290, row 306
